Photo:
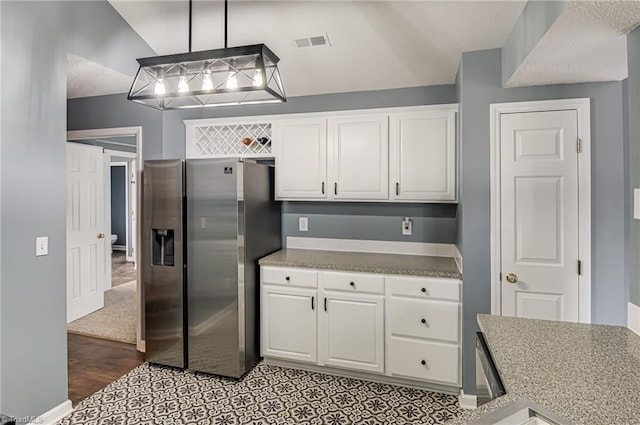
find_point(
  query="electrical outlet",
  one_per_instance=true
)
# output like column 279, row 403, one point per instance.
column 303, row 224
column 42, row 246
column 407, row 226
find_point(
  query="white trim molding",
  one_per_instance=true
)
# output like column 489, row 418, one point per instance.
column 582, row 107
column 633, row 317
column 468, row 401
column 52, row 416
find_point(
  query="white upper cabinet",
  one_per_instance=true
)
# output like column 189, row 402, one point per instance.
column 301, row 158
column 359, row 157
column 423, row 156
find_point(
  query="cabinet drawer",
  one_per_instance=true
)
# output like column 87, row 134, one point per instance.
column 424, row 319
column 290, row 277
column 352, row 282
column 441, row 361
column 446, row 289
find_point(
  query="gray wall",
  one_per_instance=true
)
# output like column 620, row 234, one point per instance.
column 480, row 86
column 633, row 52
column 534, row 22
column 35, row 38
column 118, row 204
column 116, row 111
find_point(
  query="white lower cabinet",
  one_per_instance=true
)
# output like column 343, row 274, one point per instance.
column 407, row 328
column 351, row 331
column 289, row 323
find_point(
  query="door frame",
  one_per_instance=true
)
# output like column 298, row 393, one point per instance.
column 126, row 203
column 114, row 132
column 583, row 109
column 132, row 207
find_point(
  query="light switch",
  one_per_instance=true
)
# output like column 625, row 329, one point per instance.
column 303, row 224
column 636, row 204
column 42, row 246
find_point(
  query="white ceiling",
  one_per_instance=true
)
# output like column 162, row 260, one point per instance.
column 377, row 44
column 86, row 78
column 586, row 43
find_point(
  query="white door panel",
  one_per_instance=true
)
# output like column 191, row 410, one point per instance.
column 301, row 158
column 539, row 214
column 351, row 331
column 360, row 157
column 86, row 232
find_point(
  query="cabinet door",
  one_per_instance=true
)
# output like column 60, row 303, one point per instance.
column 351, row 331
column 289, row 323
column 301, row 158
column 423, row 156
column 359, row 157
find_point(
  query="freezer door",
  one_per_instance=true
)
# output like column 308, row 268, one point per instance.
column 212, row 272
column 162, row 262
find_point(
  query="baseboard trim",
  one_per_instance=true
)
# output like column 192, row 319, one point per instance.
column 52, row 416
column 633, row 317
column 363, row 376
column 468, row 401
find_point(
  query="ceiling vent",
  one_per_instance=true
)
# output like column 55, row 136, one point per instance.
column 320, row 40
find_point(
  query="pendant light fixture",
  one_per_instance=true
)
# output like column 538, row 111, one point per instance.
column 221, row 77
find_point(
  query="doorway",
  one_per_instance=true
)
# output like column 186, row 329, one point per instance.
column 541, row 210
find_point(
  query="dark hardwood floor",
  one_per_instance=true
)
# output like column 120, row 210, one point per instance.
column 95, row 363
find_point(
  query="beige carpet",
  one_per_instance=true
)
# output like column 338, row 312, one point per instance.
column 116, row 321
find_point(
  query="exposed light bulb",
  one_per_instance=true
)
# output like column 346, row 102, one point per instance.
column 183, row 84
column 257, row 78
column 160, row 88
column 232, row 80
column 207, row 83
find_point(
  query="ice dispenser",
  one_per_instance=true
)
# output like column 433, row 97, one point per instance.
column 163, row 247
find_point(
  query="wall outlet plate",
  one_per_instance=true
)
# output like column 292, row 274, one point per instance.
column 407, row 226
column 42, row 246
column 303, row 224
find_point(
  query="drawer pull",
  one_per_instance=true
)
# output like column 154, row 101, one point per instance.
column 424, row 290
column 287, row 278
column 423, row 362
column 313, row 307
column 424, row 320
column 352, row 283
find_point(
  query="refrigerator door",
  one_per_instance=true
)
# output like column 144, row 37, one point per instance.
column 212, row 273
column 163, row 262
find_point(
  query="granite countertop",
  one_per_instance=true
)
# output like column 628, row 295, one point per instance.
column 416, row 265
column 588, row 374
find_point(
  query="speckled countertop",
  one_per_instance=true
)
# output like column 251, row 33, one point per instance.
column 416, row 265
column 588, row 374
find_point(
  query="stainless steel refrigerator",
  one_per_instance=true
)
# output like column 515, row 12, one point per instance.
column 205, row 224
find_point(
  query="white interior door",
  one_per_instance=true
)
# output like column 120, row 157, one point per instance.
column 133, row 206
column 86, row 238
column 539, row 215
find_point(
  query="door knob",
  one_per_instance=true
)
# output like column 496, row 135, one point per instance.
column 100, row 236
column 512, row 278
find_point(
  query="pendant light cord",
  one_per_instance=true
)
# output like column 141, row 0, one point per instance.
column 190, row 24
column 225, row 23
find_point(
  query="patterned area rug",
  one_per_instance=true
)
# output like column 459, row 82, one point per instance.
column 159, row 395
column 116, row 321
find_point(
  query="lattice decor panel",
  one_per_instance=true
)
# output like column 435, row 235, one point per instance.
column 224, row 140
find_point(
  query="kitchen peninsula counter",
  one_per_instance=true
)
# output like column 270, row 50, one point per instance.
column 587, row 374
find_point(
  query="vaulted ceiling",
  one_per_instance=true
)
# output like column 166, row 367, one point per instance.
column 376, row 45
